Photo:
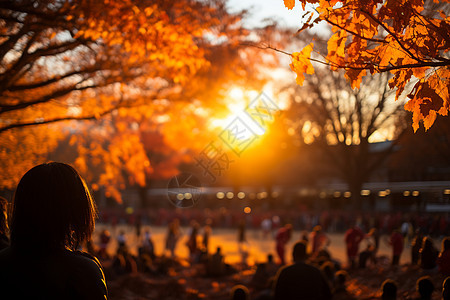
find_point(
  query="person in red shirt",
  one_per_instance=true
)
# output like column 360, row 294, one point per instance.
column 319, row 240
column 282, row 238
column 396, row 241
column 353, row 238
column 443, row 260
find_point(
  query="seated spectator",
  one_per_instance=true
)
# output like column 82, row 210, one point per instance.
column 124, row 262
column 425, row 288
column 4, row 240
column 389, row 290
column 446, row 289
column 443, row 260
column 271, row 266
column 328, row 271
column 53, row 213
column 340, row 290
column 365, row 256
column 240, row 292
column 428, row 254
column 264, row 271
column 216, row 265
column 301, row 280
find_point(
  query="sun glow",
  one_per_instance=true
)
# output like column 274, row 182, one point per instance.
column 238, row 100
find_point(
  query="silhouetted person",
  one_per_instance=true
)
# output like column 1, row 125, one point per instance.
column 4, row 240
column 216, row 265
column 282, row 238
column 148, row 247
column 192, row 241
column 301, row 280
column 240, row 292
column 340, row 290
column 328, row 271
column 396, row 242
column 365, row 256
column 416, row 245
column 443, row 260
column 389, row 290
column 264, row 271
column 446, row 289
column 242, row 234
column 53, row 213
column 123, row 262
column 173, row 235
column 428, row 254
column 353, row 238
column 206, row 235
column 319, row 240
column 425, row 288
column 271, row 266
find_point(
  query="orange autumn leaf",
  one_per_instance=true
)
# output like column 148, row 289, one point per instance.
column 301, row 63
column 289, row 4
column 396, row 36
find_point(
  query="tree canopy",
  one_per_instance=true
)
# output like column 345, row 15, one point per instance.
column 409, row 39
column 130, row 67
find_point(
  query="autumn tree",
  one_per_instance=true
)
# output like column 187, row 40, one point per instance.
column 341, row 123
column 409, row 39
column 130, row 67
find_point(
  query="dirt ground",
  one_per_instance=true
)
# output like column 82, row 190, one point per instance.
column 185, row 282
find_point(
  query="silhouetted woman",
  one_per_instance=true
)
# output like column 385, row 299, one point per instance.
column 53, row 213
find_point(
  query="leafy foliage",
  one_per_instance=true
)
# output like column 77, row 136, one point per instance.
column 410, row 39
column 138, row 70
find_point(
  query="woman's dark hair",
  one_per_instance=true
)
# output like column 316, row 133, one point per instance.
column 52, row 209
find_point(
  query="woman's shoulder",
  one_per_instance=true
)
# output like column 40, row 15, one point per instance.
column 83, row 264
column 82, row 258
column 87, row 272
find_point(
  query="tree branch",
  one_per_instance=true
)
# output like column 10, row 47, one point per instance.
column 55, row 120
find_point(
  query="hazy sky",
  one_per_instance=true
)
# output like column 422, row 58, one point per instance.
column 261, row 9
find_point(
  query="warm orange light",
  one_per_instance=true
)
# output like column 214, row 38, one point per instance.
column 247, row 210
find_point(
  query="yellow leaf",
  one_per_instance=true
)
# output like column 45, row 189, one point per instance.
column 301, row 63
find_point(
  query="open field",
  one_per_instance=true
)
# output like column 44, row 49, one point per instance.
column 257, row 246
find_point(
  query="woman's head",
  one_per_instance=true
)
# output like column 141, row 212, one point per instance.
column 52, row 209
